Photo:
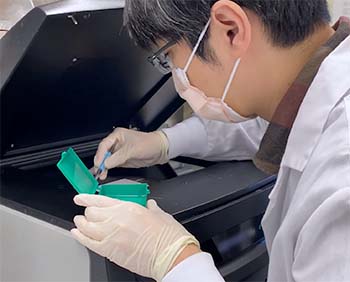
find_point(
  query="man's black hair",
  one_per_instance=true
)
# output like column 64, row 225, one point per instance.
column 287, row 22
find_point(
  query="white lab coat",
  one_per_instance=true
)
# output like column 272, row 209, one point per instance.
column 307, row 222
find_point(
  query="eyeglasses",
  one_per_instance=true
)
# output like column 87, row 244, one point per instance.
column 160, row 60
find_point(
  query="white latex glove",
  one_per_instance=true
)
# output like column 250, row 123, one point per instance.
column 132, row 149
column 145, row 241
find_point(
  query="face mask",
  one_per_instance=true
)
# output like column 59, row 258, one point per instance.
column 205, row 107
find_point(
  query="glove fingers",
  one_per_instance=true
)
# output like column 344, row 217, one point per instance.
column 103, row 175
column 87, row 229
column 106, row 145
column 95, row 231
column 85, row 241
column 93, row 170
column 86, row 200
column 116, row 160
column 93, row 214
column 152, row 205
column 103, row 148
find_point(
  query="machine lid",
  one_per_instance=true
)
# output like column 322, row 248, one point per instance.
column 69, row 75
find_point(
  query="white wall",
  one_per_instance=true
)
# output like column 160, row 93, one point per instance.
column 11, row 11
column 339, row 8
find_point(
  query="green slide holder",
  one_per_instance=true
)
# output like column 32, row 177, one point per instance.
column 84, row 182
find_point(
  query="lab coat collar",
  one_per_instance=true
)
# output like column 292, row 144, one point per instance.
column 329, row 86
column 274, row 143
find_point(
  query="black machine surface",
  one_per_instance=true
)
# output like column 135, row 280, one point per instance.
column 69, row 74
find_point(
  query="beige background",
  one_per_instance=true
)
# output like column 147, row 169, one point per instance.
column 11, row 11
column 339, row 8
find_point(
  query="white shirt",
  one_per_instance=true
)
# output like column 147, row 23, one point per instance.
column 307, row 222
column 214, row 140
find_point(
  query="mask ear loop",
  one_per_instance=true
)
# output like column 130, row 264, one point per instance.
column 232, row 75
column 201, row 36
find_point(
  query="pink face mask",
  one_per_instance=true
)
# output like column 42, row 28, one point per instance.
column 205, row 107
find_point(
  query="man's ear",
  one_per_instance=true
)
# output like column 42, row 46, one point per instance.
column 231, row 24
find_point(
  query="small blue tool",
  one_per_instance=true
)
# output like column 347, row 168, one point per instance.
column 102, row 167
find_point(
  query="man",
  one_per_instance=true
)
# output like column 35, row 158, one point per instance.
column 240, row 64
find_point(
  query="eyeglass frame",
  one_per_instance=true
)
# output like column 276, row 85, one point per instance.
column 156, row 60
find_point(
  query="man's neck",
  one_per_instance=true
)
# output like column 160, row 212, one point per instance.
column 284, row 67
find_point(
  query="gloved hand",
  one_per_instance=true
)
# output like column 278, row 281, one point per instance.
column 132, row 149
column 145, row 241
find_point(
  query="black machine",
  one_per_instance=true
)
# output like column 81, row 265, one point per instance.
column 68, row 75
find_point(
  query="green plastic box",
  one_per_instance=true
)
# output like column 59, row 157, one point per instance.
column 84, row 182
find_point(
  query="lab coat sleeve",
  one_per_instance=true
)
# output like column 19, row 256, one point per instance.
column 322, row 251
column 199, row 267
column 214, row 140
